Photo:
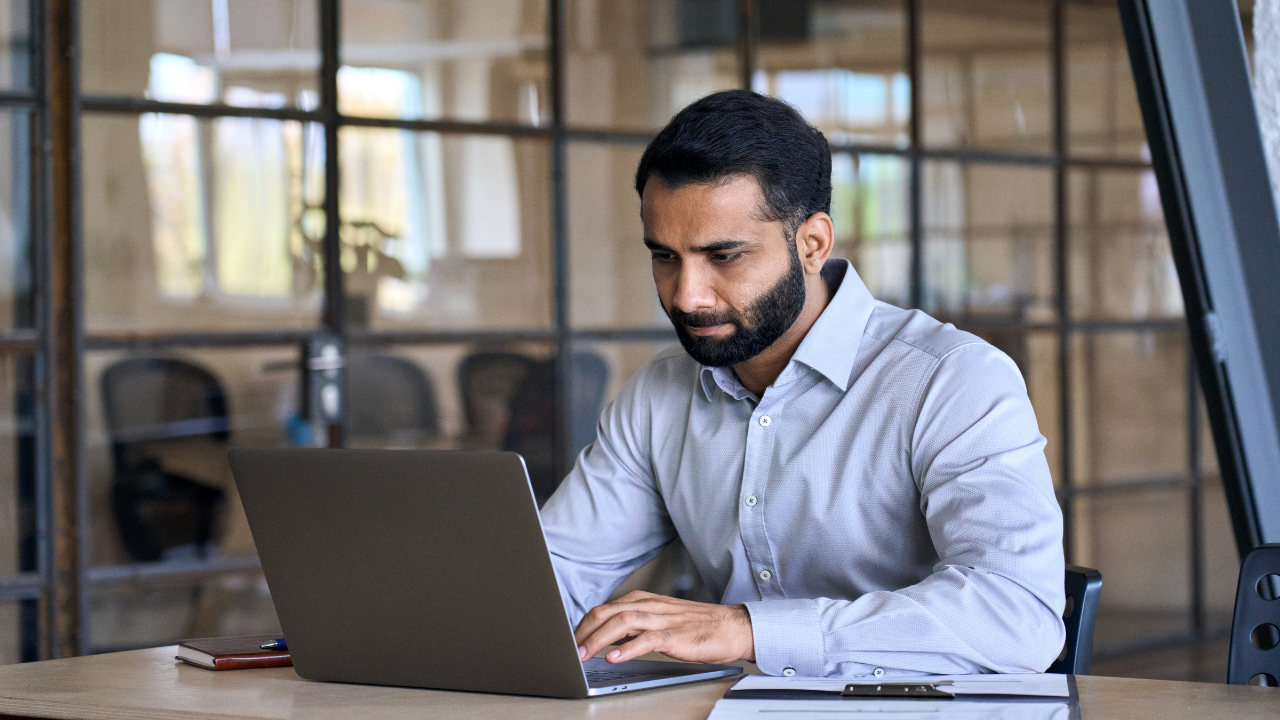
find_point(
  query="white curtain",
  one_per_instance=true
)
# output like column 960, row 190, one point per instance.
column 1266, row 82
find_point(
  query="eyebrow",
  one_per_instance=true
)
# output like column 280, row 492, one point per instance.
column 711, row 247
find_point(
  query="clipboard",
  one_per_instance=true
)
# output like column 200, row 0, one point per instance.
column 1028, row 686
column 902, row 691
column 1022, row 687
column 966, row 697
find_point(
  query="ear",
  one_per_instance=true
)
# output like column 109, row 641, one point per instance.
column 814, row 240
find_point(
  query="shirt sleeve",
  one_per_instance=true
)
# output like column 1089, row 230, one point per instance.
column 607, row 519
column 995, row 598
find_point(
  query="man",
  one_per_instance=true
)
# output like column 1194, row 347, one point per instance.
column 864, row 487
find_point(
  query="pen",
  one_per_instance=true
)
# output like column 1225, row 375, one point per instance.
column 275, row 645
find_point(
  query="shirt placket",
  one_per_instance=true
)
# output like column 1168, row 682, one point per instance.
column 753, row 498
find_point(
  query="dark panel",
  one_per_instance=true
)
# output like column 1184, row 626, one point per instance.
column 1192, row 77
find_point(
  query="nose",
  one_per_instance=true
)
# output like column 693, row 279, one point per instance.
column 693, row 289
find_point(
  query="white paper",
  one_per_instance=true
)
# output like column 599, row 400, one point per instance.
column 1048, row 685
column 863, row 709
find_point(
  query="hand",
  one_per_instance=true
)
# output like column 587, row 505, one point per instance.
column 682, row 629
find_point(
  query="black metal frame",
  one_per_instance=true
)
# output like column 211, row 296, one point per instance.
column 1193, row 83
column 28, row 344
column 56, row 577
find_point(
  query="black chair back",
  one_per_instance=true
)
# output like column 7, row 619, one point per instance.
column 1080, row 614
column 487, row 381
column 531, row 431
column 390, row 400
column 150, row 402
column 1255, row 628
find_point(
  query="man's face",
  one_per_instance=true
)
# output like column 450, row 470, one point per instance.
column 730, row 281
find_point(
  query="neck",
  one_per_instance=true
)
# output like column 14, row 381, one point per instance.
column 758, row 373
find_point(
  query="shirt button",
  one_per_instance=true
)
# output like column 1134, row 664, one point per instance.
column 878, row 672
column 788, row 672
column 751, row 501
column 764, row 421
column 765, row 574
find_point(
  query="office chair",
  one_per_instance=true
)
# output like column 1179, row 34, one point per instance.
column 391, row 401
column 487, row 381
column 1255, row 628
column 531, row 431
column 151, row 402
column 1083, row 585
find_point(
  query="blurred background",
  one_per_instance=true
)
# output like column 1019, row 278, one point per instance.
column 411, row 223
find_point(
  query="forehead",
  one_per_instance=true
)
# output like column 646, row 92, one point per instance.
column 701, row 208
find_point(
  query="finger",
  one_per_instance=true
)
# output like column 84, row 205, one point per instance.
column 645, row 642
column 582, row 650
column 599, row 615
column 590, row 625
column 621, row 625
column 594, row 618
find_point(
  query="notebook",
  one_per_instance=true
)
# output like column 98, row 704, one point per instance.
column 232, row 653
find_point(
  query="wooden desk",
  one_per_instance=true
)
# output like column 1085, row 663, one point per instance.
column 149, row 684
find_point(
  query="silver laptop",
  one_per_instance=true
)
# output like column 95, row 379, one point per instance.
column 423, row 569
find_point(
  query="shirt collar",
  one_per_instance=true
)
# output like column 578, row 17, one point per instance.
column 728, row 381
column 831, row 345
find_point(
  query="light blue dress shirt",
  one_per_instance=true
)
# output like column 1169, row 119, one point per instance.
column 884, row 508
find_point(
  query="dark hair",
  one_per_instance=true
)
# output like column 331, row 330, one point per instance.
column 737, row 132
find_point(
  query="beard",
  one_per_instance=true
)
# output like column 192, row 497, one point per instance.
column 768, row 317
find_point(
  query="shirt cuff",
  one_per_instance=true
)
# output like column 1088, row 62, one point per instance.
column 788, row 636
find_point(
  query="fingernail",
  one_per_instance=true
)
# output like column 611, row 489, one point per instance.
column 582, row 653
column 615, row 654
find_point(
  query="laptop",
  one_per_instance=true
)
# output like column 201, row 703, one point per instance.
column 421, row 568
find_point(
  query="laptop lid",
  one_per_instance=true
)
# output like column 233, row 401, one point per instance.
column 410, row 567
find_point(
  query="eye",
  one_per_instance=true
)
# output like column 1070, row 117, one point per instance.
column 726, row 258
column 662, row 256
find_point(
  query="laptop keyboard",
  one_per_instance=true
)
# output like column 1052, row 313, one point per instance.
column 606, row 678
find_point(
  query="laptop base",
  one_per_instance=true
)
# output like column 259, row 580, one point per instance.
column 604, row 678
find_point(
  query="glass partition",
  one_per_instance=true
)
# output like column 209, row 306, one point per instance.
column 1122, row 263
column 610, row 269
column 619, row 361
column 445, row 231
column 989, row 243
column 19, row 538
column 871, row 212
column 10, row 632
column 449, row 396
column 632, row 64
column 1221, row 561
column 987, row 74
column 17, row 440
column 445, row 60
column 149, row 613
column 17, row 309
column 15, row 45
column 1148, row 585
column 843, row 64
column 250, row 53
column 1132, row 408
column 157, row 428
column 1103, row 117
column 201, row 224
